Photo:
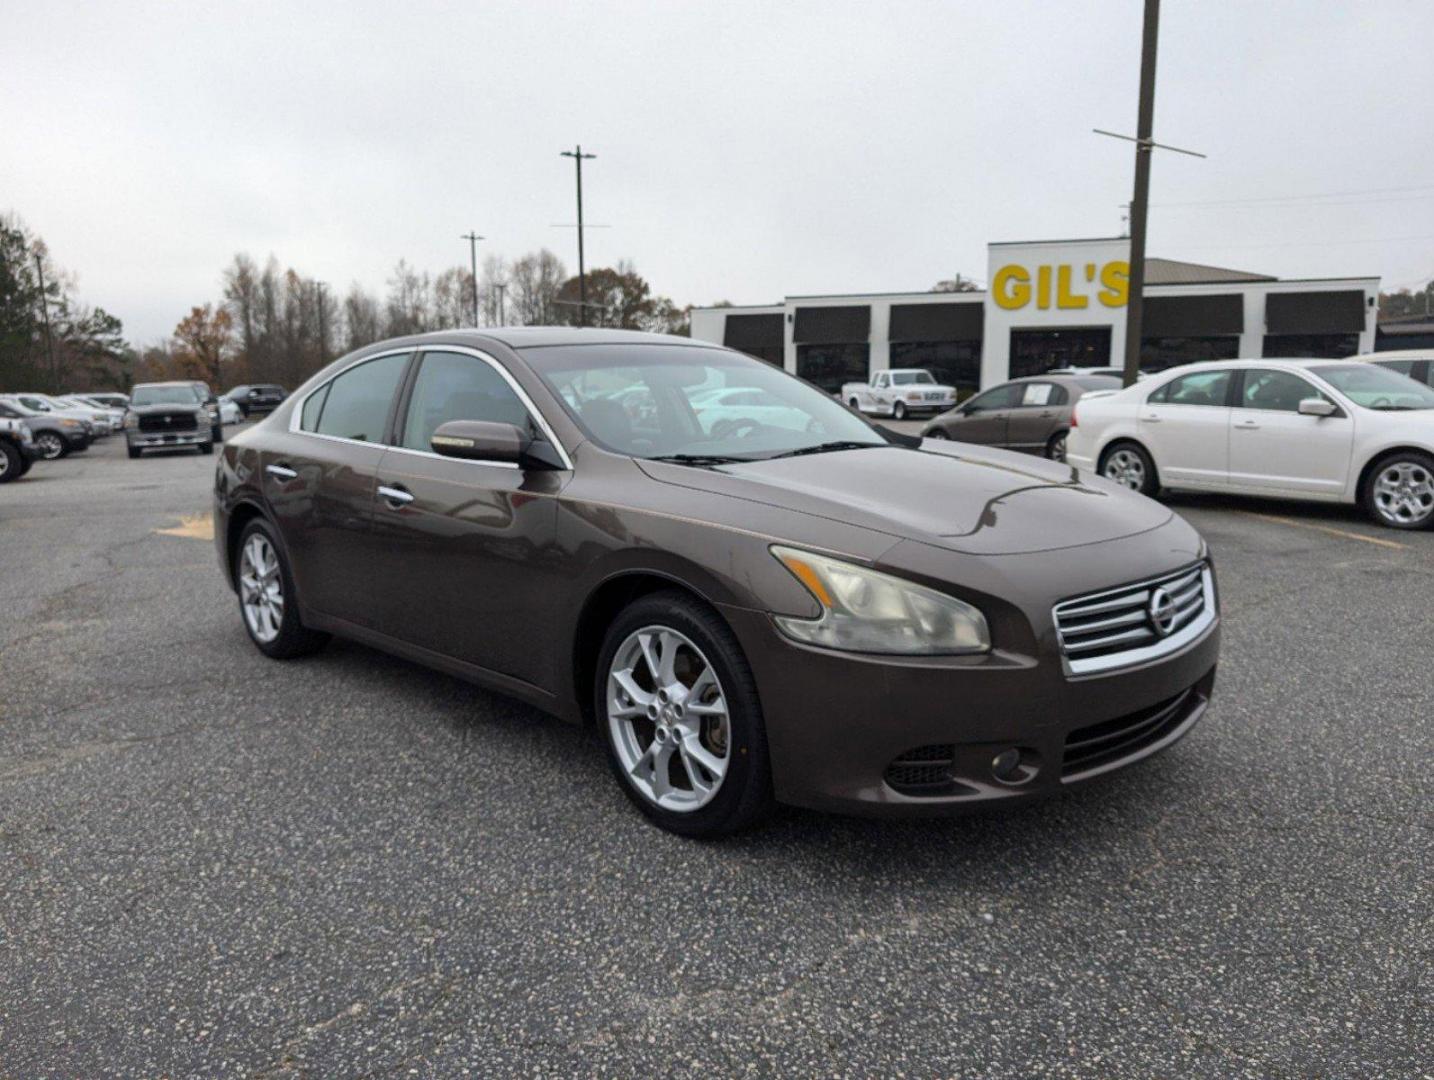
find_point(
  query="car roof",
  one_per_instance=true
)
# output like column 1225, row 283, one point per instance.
column 168, row 382
column 1395, row 354
column 536, row 337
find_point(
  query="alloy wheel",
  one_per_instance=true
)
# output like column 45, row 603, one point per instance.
column 668, row 719
column 1056, row 450
column 50, row 445
column 261, row 589
column 1404, row 493
column 1126, row 468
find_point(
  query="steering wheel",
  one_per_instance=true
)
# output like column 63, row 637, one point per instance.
column 1380, row 403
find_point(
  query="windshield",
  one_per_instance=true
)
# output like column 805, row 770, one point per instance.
column 656, row 401
column 1375, row 387
column 164, row 395
column 909, row 378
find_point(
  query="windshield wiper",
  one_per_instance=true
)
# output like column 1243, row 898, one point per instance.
column 696, row 459
column 822, row 448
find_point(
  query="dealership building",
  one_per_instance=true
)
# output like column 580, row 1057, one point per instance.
column 1052, row 304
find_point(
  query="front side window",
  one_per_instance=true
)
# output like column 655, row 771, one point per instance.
column 1275, row 391
column 1000, row 397
column 357, row 403
column 456, row 386
column 655, row 401
column 1197, row 388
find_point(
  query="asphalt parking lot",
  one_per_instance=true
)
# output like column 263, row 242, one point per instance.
column 212, row 864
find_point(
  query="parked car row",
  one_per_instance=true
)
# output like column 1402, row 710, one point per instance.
column 36, row 426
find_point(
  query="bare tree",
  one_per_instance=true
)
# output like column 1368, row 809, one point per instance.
column 453, row 299
column 495, row 273
column 362, row 322
column 534, row 283
column 408, row 309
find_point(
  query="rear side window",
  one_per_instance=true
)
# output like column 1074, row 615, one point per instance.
column 357, row 403
column 309, row 420
column 1197, row 388
column 456, row 386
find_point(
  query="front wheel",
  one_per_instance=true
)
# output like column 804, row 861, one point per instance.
column 51, row 446
column 1128, row 465
column 679, row 714
column 266, row 596
column 12, row 463
column 855, row 405
column 898, row 411
column 1400, row 491
column 206, row 448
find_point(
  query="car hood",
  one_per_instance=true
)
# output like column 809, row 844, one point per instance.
column 967, row 498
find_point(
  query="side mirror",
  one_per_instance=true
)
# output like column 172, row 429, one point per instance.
column 1313, row 406
column 481, row 440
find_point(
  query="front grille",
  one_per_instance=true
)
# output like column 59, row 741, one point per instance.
column 165, row 422
column 1090, row 748
column 1135, row 622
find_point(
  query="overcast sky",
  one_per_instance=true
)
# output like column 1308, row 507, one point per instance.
column 745, row 150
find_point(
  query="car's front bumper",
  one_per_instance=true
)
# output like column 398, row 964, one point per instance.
column 845, row 731
column 145, row 440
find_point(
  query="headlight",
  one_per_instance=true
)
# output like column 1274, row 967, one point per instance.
column 131, row 420
column 866, row 611
column 71, row 424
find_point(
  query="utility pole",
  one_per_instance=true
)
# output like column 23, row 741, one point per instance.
column 45, row 308
column 1144, row 144
column 578, row 157
column 323, row 326
column 502, row 287
column 472, row 237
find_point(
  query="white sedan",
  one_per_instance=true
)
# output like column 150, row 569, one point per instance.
column 1328, row 430
column 229, row 411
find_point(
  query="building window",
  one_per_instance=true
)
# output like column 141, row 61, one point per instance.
column 828, row 366
column 1331, row 346
column 1035, row 352
column 1159, row 353
column 773, row 354
column 951, row 363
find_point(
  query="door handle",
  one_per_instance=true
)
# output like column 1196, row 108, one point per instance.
column 281, row 472
column 1150, row 418
column 1047, row 414
column 1246, row 425
column 396, row 497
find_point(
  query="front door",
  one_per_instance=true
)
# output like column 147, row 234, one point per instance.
column 319, row 482
column 983, row 419
column 469, row 568
column 1185, row 424
column 1273, row 446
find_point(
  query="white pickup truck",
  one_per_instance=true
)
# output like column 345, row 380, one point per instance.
column 899, row 392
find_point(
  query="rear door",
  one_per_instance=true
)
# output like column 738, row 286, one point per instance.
column 319, row 481
column 1273, row 447
column 984, row 418
column 1034, row 419
column 1185, row 424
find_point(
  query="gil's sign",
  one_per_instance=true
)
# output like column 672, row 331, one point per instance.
column 1061, row 285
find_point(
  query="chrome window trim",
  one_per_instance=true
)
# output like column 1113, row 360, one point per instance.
column 533, row 410
column 1165, row 646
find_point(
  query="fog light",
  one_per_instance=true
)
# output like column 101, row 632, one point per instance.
column 1006, row 766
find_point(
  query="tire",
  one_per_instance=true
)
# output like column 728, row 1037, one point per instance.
column 898, row 411
column 134, row 452
column 216, row 432
column 855, row 405
column 12, row 463
column 937, row 433
column 1127, row 464
column 1056, row 446
column 702, row 643
column 51, row 445
column 26, row 464
column 207, row 448
column 1399, row 492
column 276, row 632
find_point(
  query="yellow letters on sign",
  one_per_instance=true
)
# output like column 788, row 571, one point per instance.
column 1011, row 286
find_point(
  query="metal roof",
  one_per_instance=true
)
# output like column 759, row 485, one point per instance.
column 1174, row 272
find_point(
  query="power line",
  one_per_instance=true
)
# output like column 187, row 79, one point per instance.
column 1267, row 199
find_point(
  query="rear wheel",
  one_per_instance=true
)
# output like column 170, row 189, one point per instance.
column 134, row 451
column 51, row 445
column 1128, row 465
column 1400, row 491
column 680, row 717
column 266, row 596
column 1056, row 446
column 855, row 405
column 937, row 433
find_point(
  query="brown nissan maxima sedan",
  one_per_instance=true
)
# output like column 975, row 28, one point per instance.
column 795, row 606
column 1031, row 414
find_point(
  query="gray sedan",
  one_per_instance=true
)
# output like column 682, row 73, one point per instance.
column 1031, row 414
